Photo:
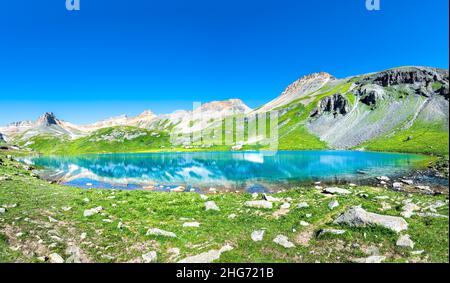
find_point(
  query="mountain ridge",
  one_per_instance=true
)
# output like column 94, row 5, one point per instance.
column 315, row 111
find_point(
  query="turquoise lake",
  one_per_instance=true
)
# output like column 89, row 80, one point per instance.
column 252, row 171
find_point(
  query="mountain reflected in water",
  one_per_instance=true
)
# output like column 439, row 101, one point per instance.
column 226, row 169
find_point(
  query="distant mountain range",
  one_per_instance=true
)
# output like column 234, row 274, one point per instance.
column 403, row 109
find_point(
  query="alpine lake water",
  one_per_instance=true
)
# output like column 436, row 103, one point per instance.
column 201, row 171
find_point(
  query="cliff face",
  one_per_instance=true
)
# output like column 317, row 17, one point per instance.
column 385, row 103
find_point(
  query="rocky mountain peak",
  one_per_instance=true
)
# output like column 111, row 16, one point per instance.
column 230, row 105
column 47, row 119
column 298, row 89
column 146, row 114
column 308, row 82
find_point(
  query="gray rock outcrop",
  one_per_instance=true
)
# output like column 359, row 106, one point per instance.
column 358, row 217
column 336, row 104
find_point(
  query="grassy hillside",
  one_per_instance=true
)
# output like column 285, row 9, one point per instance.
column 108, row 140
column 42, row 219
column 420, row 138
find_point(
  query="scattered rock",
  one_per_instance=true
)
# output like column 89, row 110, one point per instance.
column 232, row 216
column 424, row 188
column 254, row 195
column 159, row 232
column 179, row 189
column 55, row 258
column 405, row 242
column 336, row 191
column 436, row 205
column 86, row 200
column 74, row 255
column 302, row 205
column 383, row 178
column 381, row 197
column 408, row 182
column 2, row 210
column 258, row 235
column 304, row 223
column 150, row 257
column 191, row 224
column 371, row 259
column 432, row 215
column 271, row 198
column 90, row 212
column 385, row 206
column 66, row 208
column 259, row 204
column 204, row 197
column 397, row 185
column 330, row 231
column 358, row 217
column 285, row 205
column 207, row 257
column 283, row 241
column 333, row 204
column 408, row 210
column 211, row 205
column 52, row 220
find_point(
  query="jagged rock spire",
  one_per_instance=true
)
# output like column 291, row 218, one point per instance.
column 47, row 119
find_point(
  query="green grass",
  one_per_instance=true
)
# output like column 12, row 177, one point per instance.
column 421, row 137
column 139, row 210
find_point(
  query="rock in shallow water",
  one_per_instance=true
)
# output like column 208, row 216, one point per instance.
column 358, row 217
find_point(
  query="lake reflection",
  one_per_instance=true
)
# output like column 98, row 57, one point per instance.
column 225, row 169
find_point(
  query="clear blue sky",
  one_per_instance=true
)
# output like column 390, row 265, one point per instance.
column 122, row 57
